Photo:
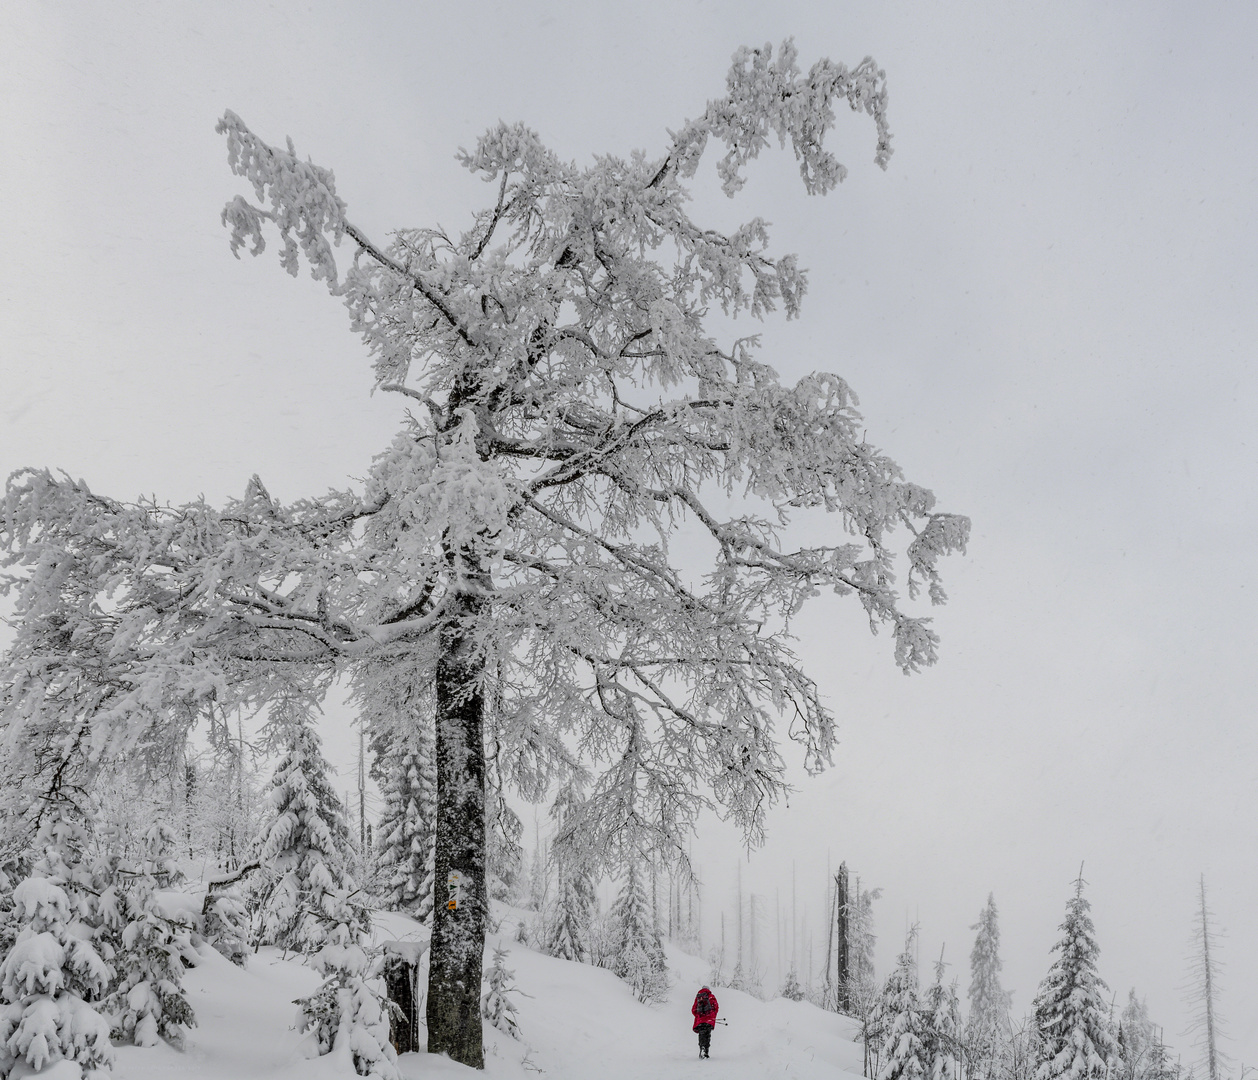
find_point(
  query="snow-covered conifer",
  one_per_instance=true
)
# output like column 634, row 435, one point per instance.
column 348, row 1016
column 639, row 951
column 396, row 703
column 943, row 1028
column 568, row 925
column 1077, row 1039
column 1136, row 1037
column 791, row 988
column 305, row 847
column 988, row 1023
column 496, row 1005
column 902, row 1020
column 404, row 839
column 147, row 1001
column 55, row 968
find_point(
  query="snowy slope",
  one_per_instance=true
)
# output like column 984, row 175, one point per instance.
column 577, row 1023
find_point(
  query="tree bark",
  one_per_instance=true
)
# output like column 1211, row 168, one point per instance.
column 458, row 925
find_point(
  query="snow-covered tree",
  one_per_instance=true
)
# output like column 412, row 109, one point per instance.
column 404, row 839
column 901, row 1020
column 395, row 707
column 58, row 966
column 1077, row 1038
column 791, row 988
column 570, row 407
column 988, row 1023
column 639, row 951
column 943, row 1036
column 568, row 927
column 1137, row 1038
column 496, row 1005
column 348, row 1016
column 305, row 847
column 146, row 1000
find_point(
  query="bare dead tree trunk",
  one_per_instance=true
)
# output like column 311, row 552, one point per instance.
column 1207, row 991
column 843, row 974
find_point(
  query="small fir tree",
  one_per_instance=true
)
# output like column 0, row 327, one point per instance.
column 791, row 988
column 306, row 848
column 496, row 1005
column 348, row 1016
column 902, row 1020
column 57, row 965
column 1077, row 1040
column 147, row 1001
column 943, row 1028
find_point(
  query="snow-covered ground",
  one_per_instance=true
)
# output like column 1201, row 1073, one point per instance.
column 577, row 1023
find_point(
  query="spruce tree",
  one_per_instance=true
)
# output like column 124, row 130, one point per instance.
column 1077, row 1039
column 58, row 965
column 147, row 1001
column 406, row 828
column 989, row 1004
column 943, row 1028
column 639, row 951
column 1136, row 1038
column 567, row 932
column 306, row 847
column 349, row 1014
column 902, row 1020
column 496, row 1005
column 791, row 988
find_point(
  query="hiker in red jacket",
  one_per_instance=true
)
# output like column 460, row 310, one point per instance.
column 704, row 1011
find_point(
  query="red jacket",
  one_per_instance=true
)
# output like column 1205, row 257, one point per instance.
column 705, row 1017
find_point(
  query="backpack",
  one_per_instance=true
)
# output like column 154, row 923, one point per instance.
column 704, row 1002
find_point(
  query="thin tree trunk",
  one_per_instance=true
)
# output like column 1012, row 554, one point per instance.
column 459, row 923
column 843, row 936
column 1207, row 972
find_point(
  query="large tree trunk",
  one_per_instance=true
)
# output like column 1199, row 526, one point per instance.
column 458, row 924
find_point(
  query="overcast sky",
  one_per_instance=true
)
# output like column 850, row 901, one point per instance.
column 1046, row 305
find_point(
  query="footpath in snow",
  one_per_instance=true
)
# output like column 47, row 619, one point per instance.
column 577, row 1022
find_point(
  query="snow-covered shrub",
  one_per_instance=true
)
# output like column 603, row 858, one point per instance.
column 146, row 1000
column 55, row 968
column 348, row 1016
column 496, row 1005
column 225, row 926
column 791, row 988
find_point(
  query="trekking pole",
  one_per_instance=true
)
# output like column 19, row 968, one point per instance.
column 725, row 1022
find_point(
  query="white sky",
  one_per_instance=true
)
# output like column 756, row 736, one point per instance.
column 1047, row 306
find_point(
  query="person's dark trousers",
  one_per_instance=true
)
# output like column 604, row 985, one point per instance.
column 705, row 1039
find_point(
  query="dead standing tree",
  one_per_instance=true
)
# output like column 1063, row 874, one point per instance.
column 509, row 527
